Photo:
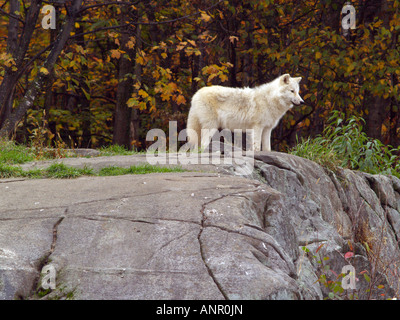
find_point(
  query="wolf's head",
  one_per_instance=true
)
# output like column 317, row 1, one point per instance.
column 289, row 88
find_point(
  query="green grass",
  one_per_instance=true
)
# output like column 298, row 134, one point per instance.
column 344, row 144
column 57, row 170
column 62, row 171
column 140, row 169
column 11, row 155
column 115, row 150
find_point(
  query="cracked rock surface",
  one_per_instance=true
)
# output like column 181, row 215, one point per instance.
column 199, row 235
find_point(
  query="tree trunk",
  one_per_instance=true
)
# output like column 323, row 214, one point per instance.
column 10, row 78
column 37, row 84
column 123, row 132
column 135, row 119
column 376, row 115
column 12, row 46
column 83, row 102
column 377, row 106
column 122, row 116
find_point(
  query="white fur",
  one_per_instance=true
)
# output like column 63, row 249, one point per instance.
column 259, row 108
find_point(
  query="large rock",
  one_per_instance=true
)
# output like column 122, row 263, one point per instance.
column 333, row 214
column 282, row 232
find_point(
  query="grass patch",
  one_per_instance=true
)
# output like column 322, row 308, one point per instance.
column 7, row 171
column 57, row 170
column 116, row 150
column 140, row 169
column 344, row 144
column 62, row 171
column 11, row 153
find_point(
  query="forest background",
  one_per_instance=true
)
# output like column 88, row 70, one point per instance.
column 112, row 70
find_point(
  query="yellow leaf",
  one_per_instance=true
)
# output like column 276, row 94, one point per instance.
column 164, row 55
column 142, row 105
column 44, row 70
column 318, row 55
column 131, row 102
column 211, row 77
column 143, row 93
column 205, row 17
column 140, row 60
column 155, row 74
column 223, row 77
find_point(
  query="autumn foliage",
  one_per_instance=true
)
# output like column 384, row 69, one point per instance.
column 130, row 66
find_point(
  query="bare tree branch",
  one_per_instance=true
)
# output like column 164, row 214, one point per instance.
column 12, row 16
column 107, row 4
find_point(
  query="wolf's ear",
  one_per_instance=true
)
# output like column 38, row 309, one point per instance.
column 297, row 79
column 285, row 78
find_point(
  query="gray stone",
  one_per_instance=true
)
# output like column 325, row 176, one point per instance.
column 273, row 233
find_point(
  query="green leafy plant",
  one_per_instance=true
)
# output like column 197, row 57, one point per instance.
column 345, row 144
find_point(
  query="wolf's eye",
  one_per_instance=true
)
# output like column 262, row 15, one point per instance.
column 292, row 91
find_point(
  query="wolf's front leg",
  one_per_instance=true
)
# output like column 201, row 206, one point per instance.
column 257, row 132
column 266, row 139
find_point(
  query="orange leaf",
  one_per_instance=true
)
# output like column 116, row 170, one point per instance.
column 180, row 100
column 115, row 54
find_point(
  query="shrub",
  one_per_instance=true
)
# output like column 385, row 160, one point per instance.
column 345, row 144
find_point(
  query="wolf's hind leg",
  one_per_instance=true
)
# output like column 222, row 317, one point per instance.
column 206, row 136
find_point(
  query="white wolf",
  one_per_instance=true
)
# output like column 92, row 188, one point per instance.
column 259, row 108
